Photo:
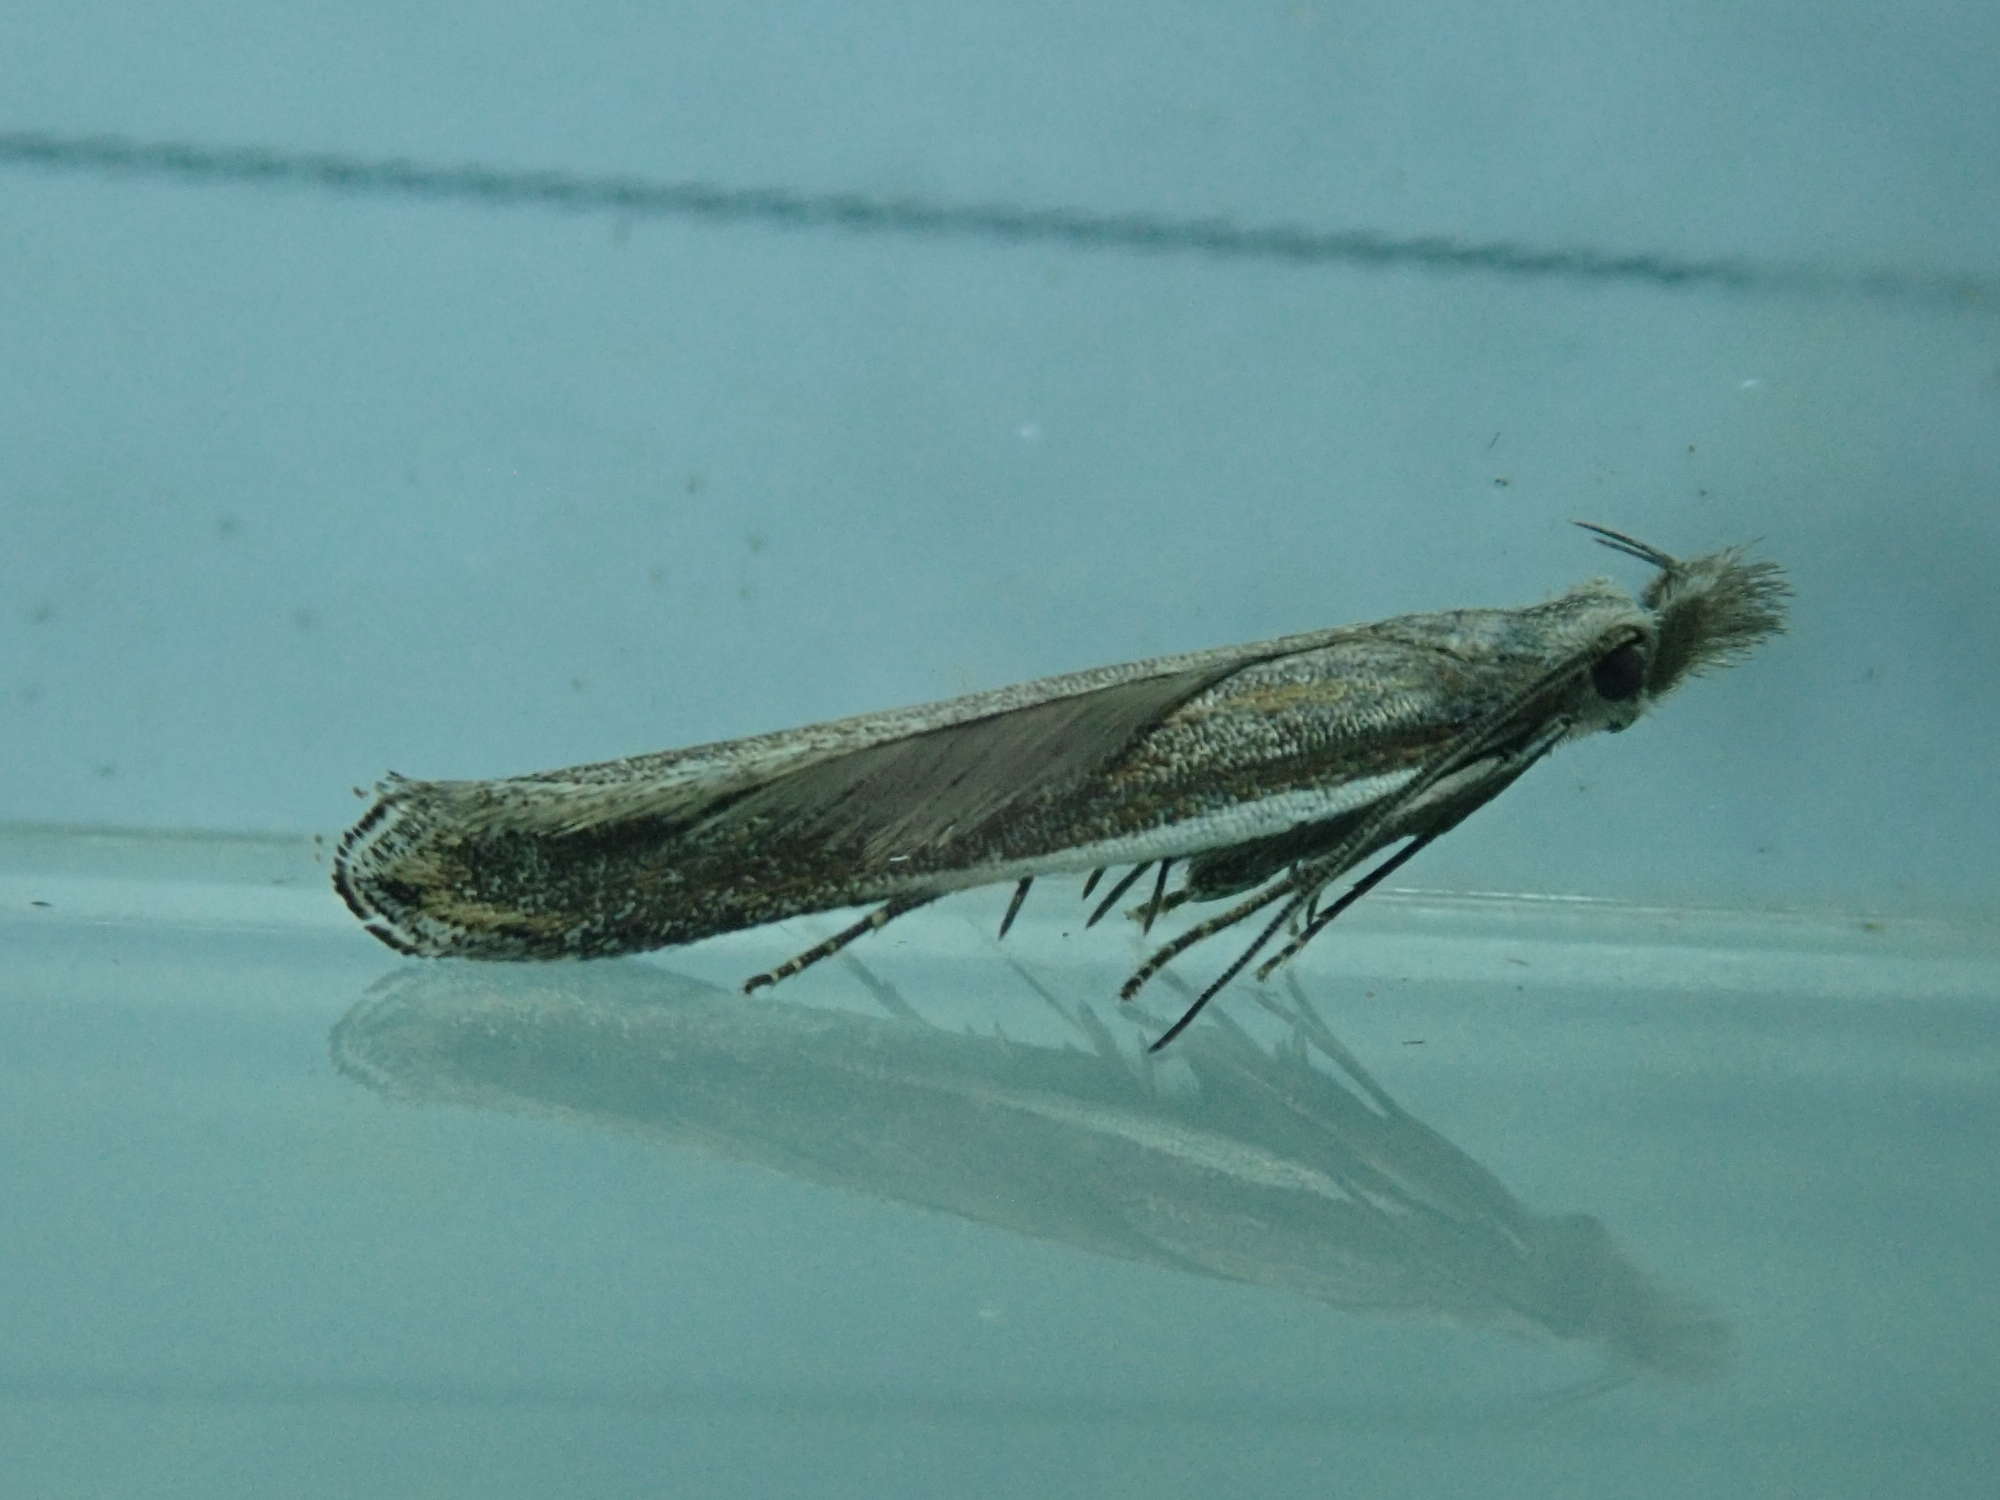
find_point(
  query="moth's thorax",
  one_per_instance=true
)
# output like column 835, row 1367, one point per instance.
column 1574, row 632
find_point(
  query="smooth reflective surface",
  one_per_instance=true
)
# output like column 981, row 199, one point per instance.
column 1576, row 1199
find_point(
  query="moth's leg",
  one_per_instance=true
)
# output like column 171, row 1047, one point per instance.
column 1284, row 915
column 1251, row 1057
column 1302, row 885
column 882, row 916
column 1116, row 891
column 1314, row 922
column 1014, row 906
column 1160, row 901
column 1316, row 874
column 1155, row 906
column 1169, row 951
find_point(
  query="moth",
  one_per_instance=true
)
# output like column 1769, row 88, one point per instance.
column 1262, row 772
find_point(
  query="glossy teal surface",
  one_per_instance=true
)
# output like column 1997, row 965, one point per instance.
column 288, row 1216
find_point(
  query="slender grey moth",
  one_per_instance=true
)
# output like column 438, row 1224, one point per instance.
column 1264, row 771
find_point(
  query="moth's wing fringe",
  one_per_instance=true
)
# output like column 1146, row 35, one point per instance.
column 376, row 860
column 405, row 867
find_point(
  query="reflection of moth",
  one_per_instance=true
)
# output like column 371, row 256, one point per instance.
column 1284, row 1167
column 1272, row 768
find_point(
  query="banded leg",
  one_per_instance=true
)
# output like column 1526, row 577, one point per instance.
column 1236, row 967
column 1167, row 952
column 881, row 917
column 1315, row 922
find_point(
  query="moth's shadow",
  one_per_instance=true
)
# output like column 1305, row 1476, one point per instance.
column 1279, row 1163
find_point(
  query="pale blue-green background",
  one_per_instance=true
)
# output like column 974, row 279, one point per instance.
column 298, row 486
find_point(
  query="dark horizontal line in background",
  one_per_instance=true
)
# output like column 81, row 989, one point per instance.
column 861, row 213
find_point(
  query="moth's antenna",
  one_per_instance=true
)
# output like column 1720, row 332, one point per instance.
column 1617, row 541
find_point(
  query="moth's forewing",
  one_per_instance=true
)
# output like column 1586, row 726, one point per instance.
column 1106, row 704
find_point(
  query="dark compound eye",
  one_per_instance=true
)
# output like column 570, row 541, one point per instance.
column 1619, row 675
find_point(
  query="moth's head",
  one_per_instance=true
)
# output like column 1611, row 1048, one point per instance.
column 1709, row 611
column 1704, row 613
